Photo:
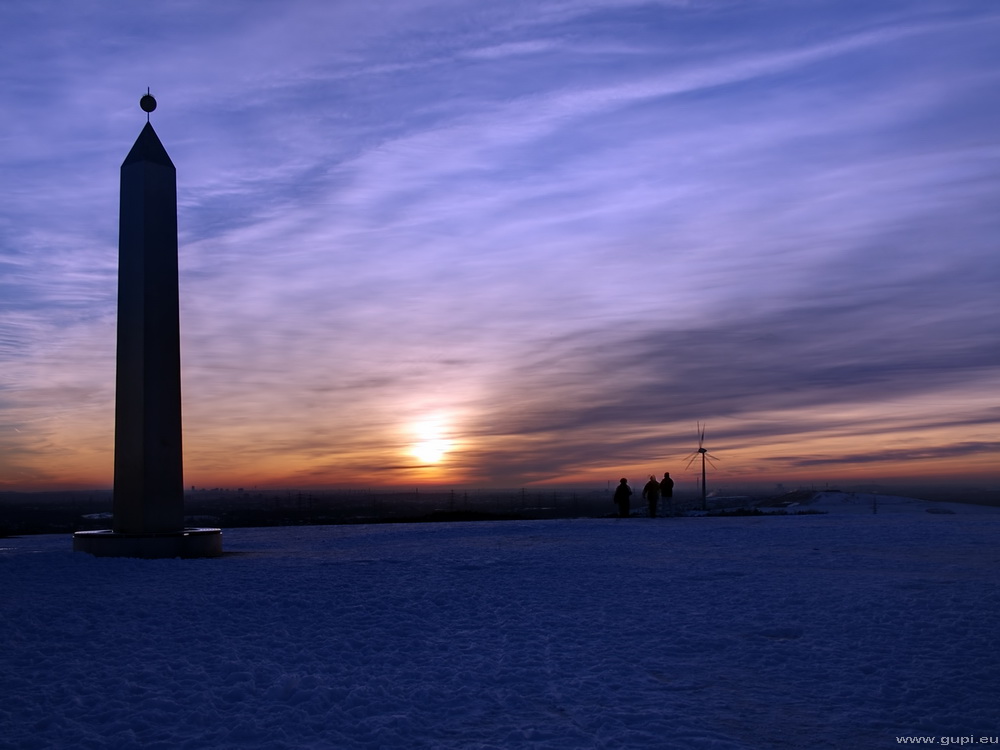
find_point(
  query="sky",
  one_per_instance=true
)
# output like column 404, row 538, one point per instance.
column 455, row 243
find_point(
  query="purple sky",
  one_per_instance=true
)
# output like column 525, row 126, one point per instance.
column 494, row 244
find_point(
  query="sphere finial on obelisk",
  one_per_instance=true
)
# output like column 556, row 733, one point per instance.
column 147, row 103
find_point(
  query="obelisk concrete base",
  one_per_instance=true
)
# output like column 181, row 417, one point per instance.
column 187, row 543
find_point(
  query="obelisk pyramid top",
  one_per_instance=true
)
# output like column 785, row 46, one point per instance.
column 147, row 147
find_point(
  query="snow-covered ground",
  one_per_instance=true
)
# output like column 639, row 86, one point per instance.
column 844, row 630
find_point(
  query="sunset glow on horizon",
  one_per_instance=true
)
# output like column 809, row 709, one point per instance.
column 458, row 245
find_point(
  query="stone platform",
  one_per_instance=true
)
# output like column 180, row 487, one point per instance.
column 187, row 543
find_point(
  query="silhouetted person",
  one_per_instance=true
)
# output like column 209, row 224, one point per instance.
column 652, row 494
column 623, row 493
column 667, row 492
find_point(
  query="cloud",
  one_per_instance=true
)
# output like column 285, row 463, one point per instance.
column 616, row 394
column 957, row 450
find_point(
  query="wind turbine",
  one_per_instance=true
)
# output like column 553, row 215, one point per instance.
column 705, row 455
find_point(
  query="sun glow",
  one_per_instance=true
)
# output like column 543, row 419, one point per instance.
column 432, row 443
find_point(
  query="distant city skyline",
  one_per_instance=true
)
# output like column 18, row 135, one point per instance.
column 459, row 244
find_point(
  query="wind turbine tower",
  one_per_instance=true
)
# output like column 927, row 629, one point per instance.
column 705, row 457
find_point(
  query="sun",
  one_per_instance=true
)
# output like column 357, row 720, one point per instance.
column 430, row 451
column 432, row 444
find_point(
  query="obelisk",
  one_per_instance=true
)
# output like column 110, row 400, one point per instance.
column 148, row 479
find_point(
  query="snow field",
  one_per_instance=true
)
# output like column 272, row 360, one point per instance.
column 721, row 633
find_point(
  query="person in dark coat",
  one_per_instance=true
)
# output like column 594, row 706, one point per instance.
column 623, row 493
column 667, row 492
column 652, row 494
